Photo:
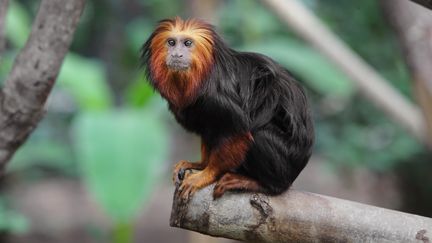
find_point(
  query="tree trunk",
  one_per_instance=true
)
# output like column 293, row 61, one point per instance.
column 34, row 72
column 413, row 25
column 295, row 216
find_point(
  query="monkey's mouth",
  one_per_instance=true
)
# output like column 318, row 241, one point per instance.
column 177, row 65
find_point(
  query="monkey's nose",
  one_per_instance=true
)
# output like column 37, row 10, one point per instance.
column 177, row 55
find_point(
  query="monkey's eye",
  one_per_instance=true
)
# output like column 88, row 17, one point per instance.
column 188, row 43
column 171, row 42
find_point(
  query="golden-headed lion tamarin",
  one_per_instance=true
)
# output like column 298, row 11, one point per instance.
column 251, row 114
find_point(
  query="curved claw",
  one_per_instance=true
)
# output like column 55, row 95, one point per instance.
column 187, row 190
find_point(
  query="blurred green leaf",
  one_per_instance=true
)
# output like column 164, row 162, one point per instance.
column 121, row 153
column 238, row 13
column 87, row 82
column 311, row 67
column 137, row 33
column 6, row 61
column 17, row 24
column 379, row 146
column 160, row 9
column 139, row 92
column 11, row 221
column 123, row 233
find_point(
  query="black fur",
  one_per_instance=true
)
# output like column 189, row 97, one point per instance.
column 249, row 92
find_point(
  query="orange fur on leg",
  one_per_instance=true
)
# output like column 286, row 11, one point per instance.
column 185, row 165
column 227, row 156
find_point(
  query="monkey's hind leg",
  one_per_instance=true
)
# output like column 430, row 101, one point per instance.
column 227, row 156
column 183, row 166
column 232, row 181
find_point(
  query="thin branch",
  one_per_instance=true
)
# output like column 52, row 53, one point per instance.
column 295, row 217
column 34, row 72
column 413, row 25
column 368, row 81
column 3, row 13
column 424, row 3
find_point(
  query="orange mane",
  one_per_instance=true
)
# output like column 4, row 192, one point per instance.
column 180, row 87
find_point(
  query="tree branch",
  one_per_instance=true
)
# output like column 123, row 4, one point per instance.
column 295, row 217
column 424, row 3
column 368, row 81
column 413, row 25
column 3, row 13
column 34, row 72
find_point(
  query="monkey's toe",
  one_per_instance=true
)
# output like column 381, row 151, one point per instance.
column 194, row 182
column 235, row 182
column 218, row 191
column 187, row 189
column 223, row 186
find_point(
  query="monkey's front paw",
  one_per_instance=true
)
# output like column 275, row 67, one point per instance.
column 181, row 170
column 187, row 189
column 195, row 182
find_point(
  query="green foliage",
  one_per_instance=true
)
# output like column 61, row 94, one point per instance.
column 160, row 9
column 139, row 92
column 239, row 28
column 120, row 153
column 43, row 152
column 379, row 146
column 11, row 221
column 6, row 61
column 86, row 80
column 123, row 233
column 310, row 66
column 47, row 150
column 360, row 135
column 17, row 24
column 137, row 33
column 17, row 31
column 362, row 26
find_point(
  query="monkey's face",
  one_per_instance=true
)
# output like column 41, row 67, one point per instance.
column 184, row 46
column 179, row 52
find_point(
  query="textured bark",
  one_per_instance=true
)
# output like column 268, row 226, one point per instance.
column 3, row 12
column 413, row 25
column 295, row 216
column 425, row 3
column 34, row 72
column 368, row 81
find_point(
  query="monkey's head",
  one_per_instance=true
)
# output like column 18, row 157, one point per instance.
column 179, row 47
